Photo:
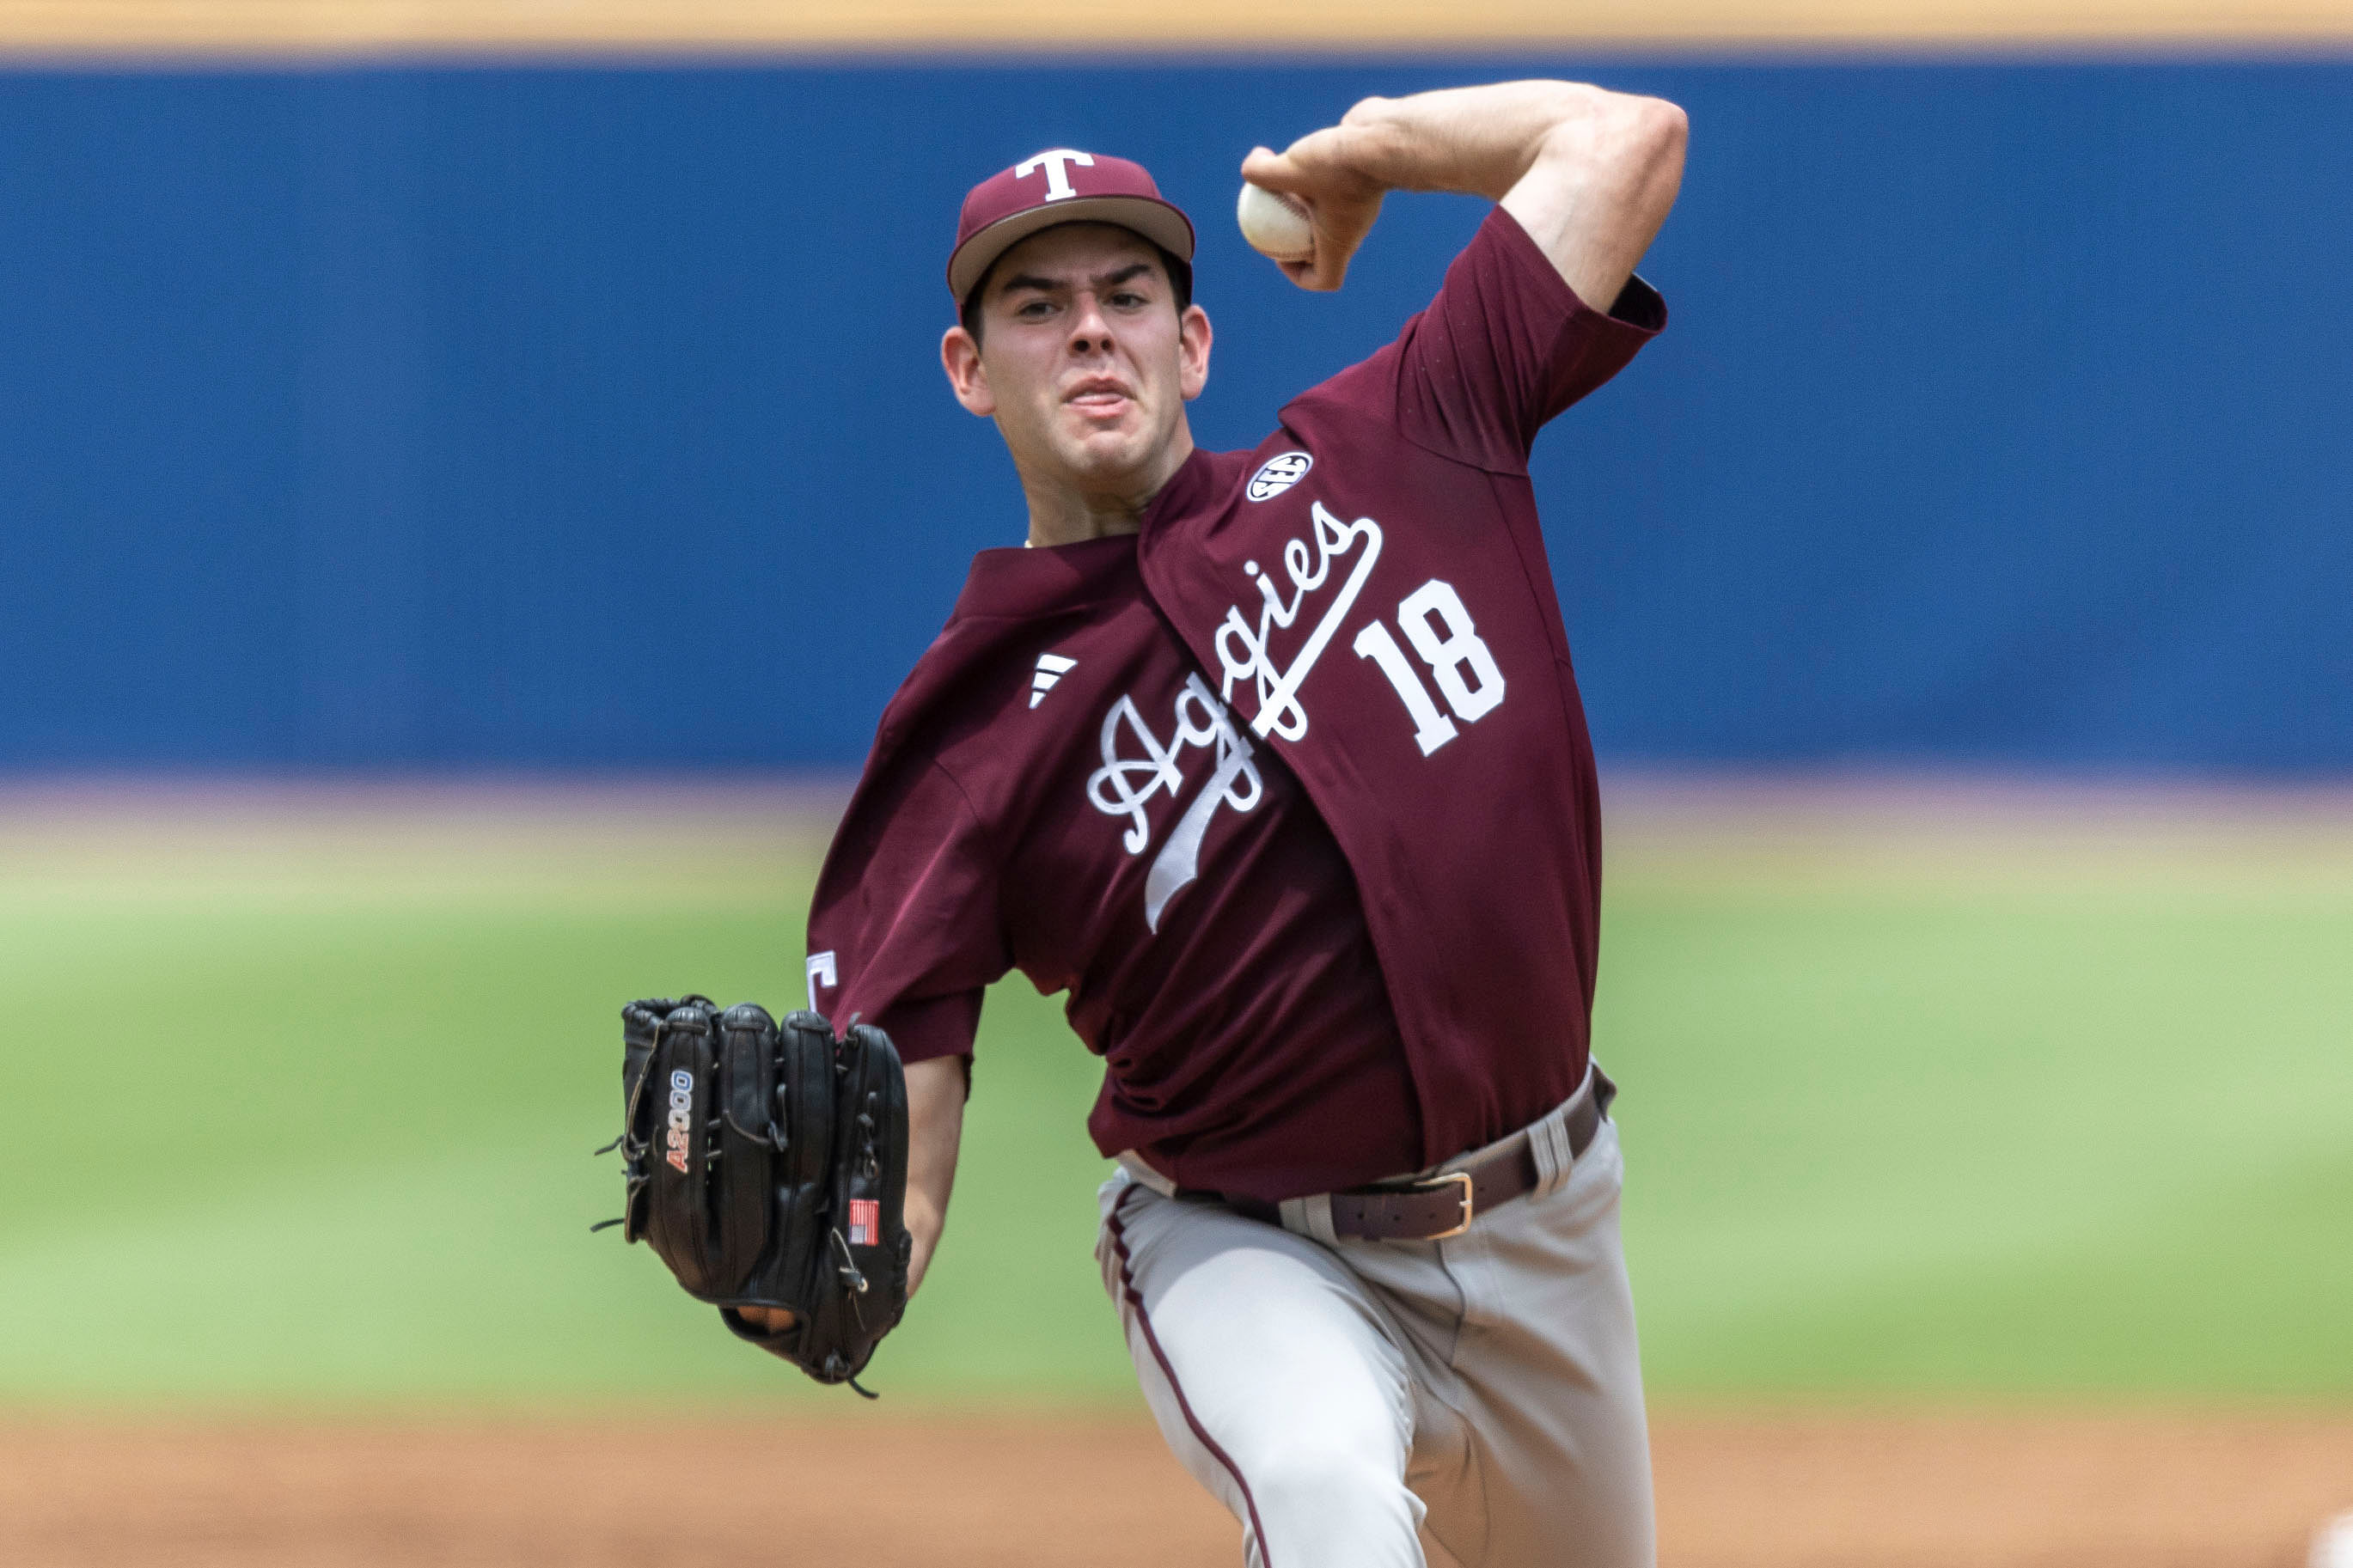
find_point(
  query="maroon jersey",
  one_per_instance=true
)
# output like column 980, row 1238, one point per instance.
column 1290, row 791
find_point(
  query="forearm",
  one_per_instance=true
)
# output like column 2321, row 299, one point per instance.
column 1589, row 173
column 935, row 1096
column 1473, row 141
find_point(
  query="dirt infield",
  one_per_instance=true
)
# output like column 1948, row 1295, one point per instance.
column 887, row 1491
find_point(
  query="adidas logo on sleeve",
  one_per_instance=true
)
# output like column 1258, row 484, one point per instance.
column 1051, row 667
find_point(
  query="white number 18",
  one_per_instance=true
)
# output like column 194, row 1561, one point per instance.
column 1460, row 652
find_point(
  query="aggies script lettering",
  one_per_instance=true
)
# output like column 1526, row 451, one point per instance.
column 1460, row 661
column 1461, row 664
column 1280, row 711
column 1201, row 721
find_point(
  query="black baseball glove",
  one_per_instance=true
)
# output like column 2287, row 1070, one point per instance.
column 767, row 1166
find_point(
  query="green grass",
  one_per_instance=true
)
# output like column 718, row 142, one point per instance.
column 317, row 1131
column 325, row 1137
column 1989, row 1140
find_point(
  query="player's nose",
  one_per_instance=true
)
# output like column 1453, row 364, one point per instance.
column 1090, row 328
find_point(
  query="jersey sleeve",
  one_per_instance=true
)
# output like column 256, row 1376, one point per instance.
column 1504, row 346
column 906, row 922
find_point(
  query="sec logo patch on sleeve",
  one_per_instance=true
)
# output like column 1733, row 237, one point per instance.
column 1278, row 474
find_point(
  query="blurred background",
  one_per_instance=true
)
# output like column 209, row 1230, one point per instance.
column 472, row 478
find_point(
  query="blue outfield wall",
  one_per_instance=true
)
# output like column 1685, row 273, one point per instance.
column 591, row 416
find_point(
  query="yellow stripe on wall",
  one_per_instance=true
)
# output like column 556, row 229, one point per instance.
column 359, row 27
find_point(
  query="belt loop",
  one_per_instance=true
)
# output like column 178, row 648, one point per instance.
column 1548, row 1141
column 1311, row 1216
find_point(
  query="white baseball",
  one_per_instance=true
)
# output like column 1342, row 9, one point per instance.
column 2333, row 1547
column 1275, row 224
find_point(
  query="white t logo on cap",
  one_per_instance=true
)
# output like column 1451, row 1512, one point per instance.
column 1056, row 165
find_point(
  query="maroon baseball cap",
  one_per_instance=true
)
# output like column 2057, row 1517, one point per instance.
column 1060, row 185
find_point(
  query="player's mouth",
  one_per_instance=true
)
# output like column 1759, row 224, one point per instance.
column 1100, row 397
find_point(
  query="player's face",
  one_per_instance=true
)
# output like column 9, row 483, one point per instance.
column 1083, row 361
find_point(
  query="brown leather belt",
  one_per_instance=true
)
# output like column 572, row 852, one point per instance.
column 1432, row 1208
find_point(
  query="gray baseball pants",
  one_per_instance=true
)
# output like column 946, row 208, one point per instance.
column 1470, row 1403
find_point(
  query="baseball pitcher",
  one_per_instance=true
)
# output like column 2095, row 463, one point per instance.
column 1273, row 762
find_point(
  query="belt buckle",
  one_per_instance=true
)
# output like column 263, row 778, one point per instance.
column 1431, row 1184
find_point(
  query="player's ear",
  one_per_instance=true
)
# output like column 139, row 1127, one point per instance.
column 1193, row 351
column 960, row 357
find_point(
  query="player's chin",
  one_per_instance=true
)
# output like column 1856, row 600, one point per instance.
column 1106, row 453
column 1081, row 429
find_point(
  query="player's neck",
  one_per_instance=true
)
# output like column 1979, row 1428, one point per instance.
column 1063, row 510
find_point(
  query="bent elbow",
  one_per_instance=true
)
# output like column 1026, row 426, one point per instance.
column 1660, row 128
column 1597, row 127
column 1653, row 143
